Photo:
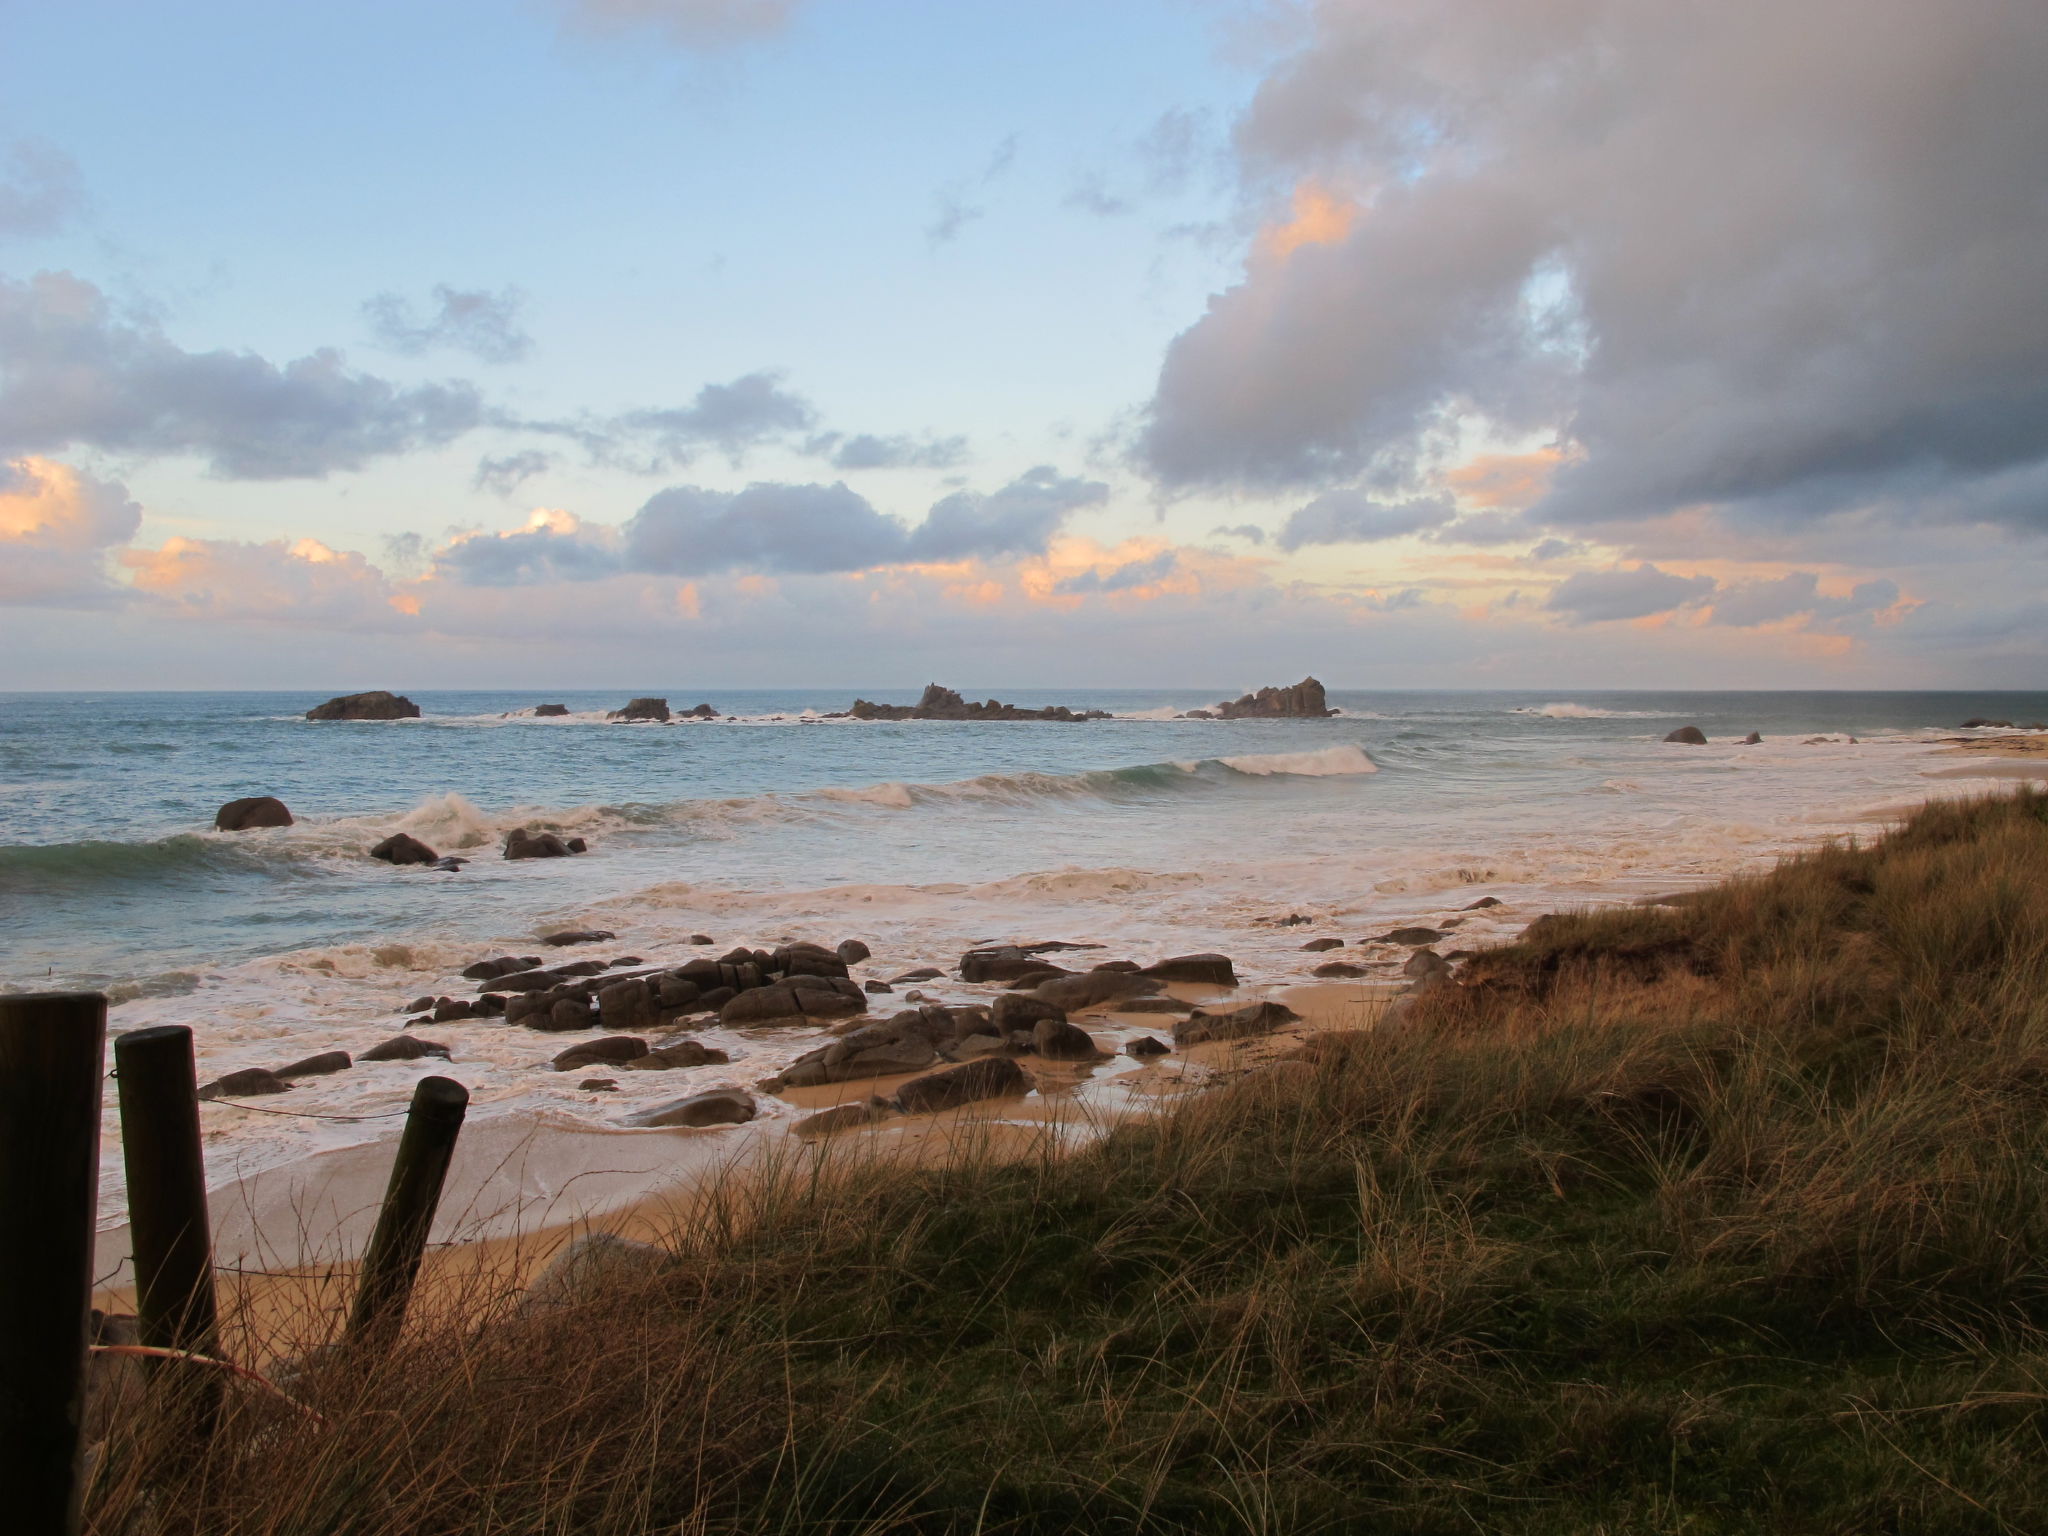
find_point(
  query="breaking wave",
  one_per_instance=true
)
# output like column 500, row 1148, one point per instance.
column 1588, row 712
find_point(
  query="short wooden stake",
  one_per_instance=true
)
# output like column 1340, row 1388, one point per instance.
column 51, row 1047
column 392, row 1262
column 173, row 1242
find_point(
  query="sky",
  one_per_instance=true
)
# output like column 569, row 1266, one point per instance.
column 754, row 343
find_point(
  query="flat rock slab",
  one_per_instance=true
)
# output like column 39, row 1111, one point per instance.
column 1244, row 1023
column 989, row 1077
column 721, row 1106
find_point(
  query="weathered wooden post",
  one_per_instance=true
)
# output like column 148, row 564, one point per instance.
column 392, row 1263
column 50, row 1055
column 174, row 1295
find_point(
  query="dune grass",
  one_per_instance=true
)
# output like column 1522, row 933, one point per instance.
column 1730, row 1216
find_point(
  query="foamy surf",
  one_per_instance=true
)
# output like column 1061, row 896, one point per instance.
column 1329, row 762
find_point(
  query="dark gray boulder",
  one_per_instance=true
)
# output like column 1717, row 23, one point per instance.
column 676, row 1056
column 404, row 848
column 523, row 844
column 1339, row 970
column 795, row 1000
column 610, row 1049
column 1244, row 1023
column 317, row 1066
column 547, row 711
column 642, row 709
column 404, row 1048
column 1146, row 1046
column 1096, row 988
column 1317, row 946
column 1013, row 1010
column 1410, row 936
column 375, row 705
column 1057, row 1040
column 852, row 952
column 254, row 811
column 245, row 1084
column 1212, row 970
column 721, row 1106
column 578, row 936
column 1751, row 740
column 989, row 1077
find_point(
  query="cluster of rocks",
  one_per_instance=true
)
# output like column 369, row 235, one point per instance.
column 375, row 705
column 1693, row 736
column 796, row 984
column 1978, row 722
column 657, row 710
column 1303, row 701
column 940, row 703
column 252, row 1082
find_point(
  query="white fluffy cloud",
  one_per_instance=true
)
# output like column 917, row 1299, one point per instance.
column 56, row 528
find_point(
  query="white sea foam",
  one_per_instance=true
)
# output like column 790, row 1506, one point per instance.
column 1588, row 712
column 1329, row 762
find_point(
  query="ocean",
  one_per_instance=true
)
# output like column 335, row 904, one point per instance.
column 1145, row 833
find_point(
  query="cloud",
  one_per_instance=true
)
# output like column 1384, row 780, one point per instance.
column 1797, row 595
column 1597, row 597
column 1251, row 533
column 1809, row 290
column 732, row 418
column 485, row 325
column 1122, row 578
column 56, row 527
column 39, row 189
column 865, row 450
column 73, row 375
column 954, row 211
column 505, row 473
column 696, row 25
column 1353, row 517
column 301, row 583
column 1018, row 519
column 773, row 529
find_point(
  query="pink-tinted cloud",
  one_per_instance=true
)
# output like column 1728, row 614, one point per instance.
column 57, row 526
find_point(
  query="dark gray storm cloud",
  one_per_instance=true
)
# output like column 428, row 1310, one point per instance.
column 1740, row 253
column 777, row 529
column 1596, row 597
column 1354, row 517
column 74, row 374
column 483, row 324
column 39, row 188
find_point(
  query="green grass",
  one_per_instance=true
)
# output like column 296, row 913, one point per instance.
column 1725, row 1217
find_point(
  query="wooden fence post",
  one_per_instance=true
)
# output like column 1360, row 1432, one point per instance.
column 50, row 1063
column 392, row 1262
column 174, row 1292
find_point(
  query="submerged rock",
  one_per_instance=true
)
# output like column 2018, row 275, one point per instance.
column 245, row 1084
column 1688, row 736
column 577, row 936
column 404, row 848
column 522, row 844
column 610, row 1049
column 404, row 1048
column 317, row 1066
column 721, row 1106
column 1244, row 1023
column 1212, row 970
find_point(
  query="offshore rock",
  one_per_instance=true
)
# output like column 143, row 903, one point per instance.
column 940, row 703
column 642, row 709
column 247, row 814
column 1304, row 700
column 375, row 705
column 1688, row 736
column 404, row 848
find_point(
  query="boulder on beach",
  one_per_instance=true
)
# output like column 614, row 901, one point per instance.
column 642, row 709
column 404, row 1048
column 316, row 1066
column 1751, row 740
column 549, row 711
column 1339, row 970
column 1146, row 1045
column 609, row 1050
column 1209, row 970
column 1425, row 962
column 1094, row 989
column 721, row 1106
column 375, row 705
column 844, row 1117
column 522, row 844
column 676, row 1056
column 852, row 952
column 404, row 848
column 251, row 812
column 989, row 1077
column 245, row 1084
column 1304, row 700
column 576, row 936
column 1482, row 904
column 1057, row 1040
column 1317, row 946
column 1409, row 936
column 1688, row 736
column 1245, row 1023
column 795, row 1000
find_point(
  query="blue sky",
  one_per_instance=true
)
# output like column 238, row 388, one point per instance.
column 1201, row 341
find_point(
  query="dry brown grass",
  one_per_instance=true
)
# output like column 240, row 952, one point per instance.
column 1725, row 1217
